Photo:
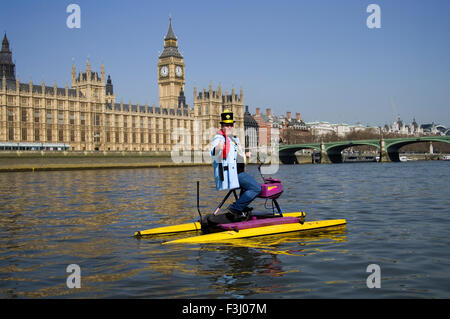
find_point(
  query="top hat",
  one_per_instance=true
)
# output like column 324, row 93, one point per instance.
column 227, row 117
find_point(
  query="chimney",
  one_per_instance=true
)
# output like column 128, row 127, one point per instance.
column 288, row 115
column 268, row 113
column 297, row 116
column 258, row 111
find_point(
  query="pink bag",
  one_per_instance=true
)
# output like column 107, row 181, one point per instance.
column 271, row 188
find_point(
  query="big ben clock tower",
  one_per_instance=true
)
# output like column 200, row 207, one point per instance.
column 170, row 72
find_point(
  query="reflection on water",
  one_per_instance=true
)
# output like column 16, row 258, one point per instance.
column 49, row 220
column 295, row 244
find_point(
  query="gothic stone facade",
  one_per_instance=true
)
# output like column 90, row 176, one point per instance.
column 87, row 116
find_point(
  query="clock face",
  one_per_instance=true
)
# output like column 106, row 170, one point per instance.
column 164, row 71
column 178, row 71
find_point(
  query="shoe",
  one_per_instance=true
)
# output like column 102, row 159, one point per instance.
column 247, row 209
column 236, row 216
column 225, row 216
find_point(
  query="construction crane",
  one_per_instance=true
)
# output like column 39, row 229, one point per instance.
column 395, row 110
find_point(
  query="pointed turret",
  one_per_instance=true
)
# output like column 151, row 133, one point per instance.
column 170, row 43
column 109, row 86
column 6, row 63
column 88, row 66
column 74, row 72
column 181, row 99
column 5, row 44
column 102, row 73
column 170, row 34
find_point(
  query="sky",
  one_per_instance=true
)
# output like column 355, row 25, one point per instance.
column 314, row 57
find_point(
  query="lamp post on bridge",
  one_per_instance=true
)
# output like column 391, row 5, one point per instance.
column 324, row 159
column 383, row 154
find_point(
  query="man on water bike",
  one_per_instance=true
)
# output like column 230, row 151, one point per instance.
column 229, row 172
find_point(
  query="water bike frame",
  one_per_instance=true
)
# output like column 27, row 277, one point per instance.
column 271, row 189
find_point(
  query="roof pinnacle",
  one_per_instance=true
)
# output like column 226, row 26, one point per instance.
column 170, row 34
column 5, row 44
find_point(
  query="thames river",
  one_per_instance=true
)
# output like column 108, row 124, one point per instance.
column 398, row 218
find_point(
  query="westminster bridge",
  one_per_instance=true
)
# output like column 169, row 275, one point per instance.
column 331, row 151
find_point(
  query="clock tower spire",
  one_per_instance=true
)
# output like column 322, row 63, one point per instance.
column 171, row 78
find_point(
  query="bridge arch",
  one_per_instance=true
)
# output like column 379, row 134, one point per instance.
column 334, row 150
column 287, row 153
column 393, row 145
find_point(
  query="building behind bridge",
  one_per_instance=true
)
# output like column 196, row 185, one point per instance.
column 287, row 129
column 414, row 129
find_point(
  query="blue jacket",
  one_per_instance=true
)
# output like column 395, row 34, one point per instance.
column 229, row 165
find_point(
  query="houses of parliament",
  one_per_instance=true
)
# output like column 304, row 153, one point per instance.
column 87, row 117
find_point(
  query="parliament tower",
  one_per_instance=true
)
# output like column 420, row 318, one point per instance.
column 171, row 77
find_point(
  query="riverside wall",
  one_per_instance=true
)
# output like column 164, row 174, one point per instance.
column 44, row 161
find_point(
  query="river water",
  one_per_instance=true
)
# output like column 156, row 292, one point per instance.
column 398, row 217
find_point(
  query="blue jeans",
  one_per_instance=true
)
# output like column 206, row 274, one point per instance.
column 250, row 187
